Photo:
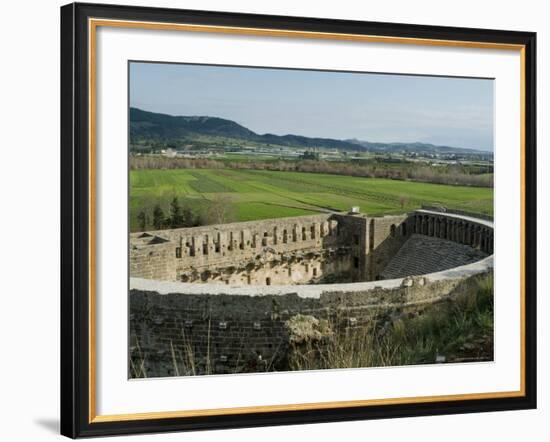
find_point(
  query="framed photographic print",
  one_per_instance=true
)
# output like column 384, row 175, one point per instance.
column 274, row 220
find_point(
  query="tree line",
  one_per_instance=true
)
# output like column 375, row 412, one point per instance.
column 217, row 211
column 177, row 216
column 452, row 175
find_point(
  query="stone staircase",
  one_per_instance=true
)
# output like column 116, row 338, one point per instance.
column 425, row 254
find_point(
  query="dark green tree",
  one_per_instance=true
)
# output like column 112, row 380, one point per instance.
column 176, row 216
column 158, row 217
column 143, row 219
column 188, row 217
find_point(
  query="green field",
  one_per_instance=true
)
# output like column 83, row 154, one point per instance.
column 261, row 194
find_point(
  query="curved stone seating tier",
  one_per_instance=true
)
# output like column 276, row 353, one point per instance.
column 424, row 254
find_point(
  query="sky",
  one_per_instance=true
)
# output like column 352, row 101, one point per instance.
column 447, row 111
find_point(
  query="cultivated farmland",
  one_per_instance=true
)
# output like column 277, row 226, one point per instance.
column 261, row 194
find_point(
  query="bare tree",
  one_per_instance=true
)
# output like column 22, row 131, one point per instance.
column 220, row 210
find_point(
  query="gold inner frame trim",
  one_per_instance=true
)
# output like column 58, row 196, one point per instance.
column 298, row 34
column 93, row 24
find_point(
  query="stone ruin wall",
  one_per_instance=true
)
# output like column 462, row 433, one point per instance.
column 301, row 250
column 224, row 327
column 179, row 331
column 386, row 236
column 309, row 249
column 282, row 251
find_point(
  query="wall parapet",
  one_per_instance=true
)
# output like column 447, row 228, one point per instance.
column 443, row 209
column 314, row 291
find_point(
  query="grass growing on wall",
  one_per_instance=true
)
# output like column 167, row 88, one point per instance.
column 457, row 331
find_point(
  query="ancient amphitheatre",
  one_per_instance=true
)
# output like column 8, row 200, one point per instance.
column 239, row 294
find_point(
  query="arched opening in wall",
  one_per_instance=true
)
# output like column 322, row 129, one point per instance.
column 205, row 245
column 371, row 234
column 267, row 281
column 392, row 230
column 178, row 252
column 477, row 238
column 295, row 233
column 304, row 234
column 312, row 231
column 314, row 271
column 404, row 229
column 184, row 278
column 205, row 275
column 217, row 244
column 248, row 279
column 285, row 236
column 264, row 239
column 355, row 262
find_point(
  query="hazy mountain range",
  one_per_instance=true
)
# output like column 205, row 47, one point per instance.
column 146, row 125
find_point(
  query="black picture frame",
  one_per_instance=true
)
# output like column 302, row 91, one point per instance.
column 75, row 220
